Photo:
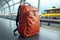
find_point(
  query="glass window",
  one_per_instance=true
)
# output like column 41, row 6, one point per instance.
column 15, row 1
column 16, row 8
column 2, row 11
column 6, row 10
column 11, row 8
column 33, row 2
column 10, row 3
column 5, row 5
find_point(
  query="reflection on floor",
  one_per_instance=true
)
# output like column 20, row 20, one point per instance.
column 7, row 27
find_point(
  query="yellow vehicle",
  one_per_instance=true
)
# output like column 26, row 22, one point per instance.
column 53, row 13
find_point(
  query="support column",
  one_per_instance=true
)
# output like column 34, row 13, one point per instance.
column 39, row 5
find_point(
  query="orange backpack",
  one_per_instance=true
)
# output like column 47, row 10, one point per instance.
column 29, row 21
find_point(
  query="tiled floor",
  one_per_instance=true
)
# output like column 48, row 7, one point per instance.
column 7, row 27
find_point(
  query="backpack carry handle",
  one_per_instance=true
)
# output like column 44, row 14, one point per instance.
column 27, row 3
